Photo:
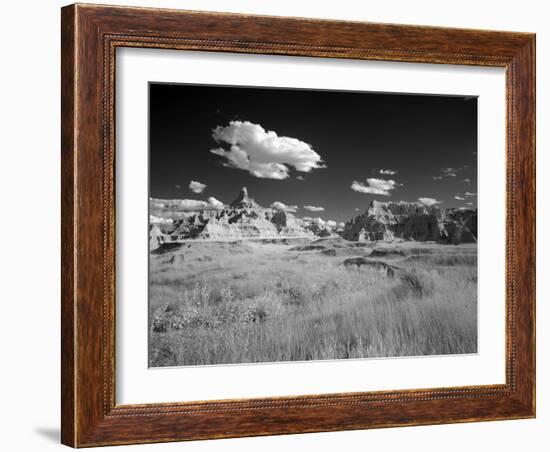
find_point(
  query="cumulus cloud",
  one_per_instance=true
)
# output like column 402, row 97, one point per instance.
column 157, row 204
column 195, row 204
column 437, row 177
column 318, row 221
column 460, row 198
column 389, row 172
column 300, row 177
column 356, row 209
column 159, row 220
column 214, row 203
column 314, row 208
column 429, row 201
column 375, row 186
column 468, row 181
column 190, row 204
column 468, row 194
column 263, row 153
column 196, row 187
column 470, row 203
column 277, row 205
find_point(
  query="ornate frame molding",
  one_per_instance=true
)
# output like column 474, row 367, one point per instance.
column 90, row 37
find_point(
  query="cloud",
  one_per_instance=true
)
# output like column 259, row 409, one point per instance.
column 318, row 221
column 195, row 204
column 190, row 204
column 449, row 172
column 375, row 186
column 429, row 201
column 314, row 209
column 157, row 204
column 356, row 209
column 389, row 172
column 159, row 220
column 300, row 177
column 196, row 187
column 281, row 206
column 178, row 186
column 465, row 197
column 263, row 153
column 187, row 204
column 215, row 203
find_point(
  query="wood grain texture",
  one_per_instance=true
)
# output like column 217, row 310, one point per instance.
column 90, row 36
column 67, row 226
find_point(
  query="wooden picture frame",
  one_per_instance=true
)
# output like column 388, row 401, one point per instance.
column 90, row 36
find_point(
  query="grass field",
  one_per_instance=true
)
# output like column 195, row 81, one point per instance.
column 266, row 301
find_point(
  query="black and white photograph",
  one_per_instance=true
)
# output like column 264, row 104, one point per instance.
column 253, row 226
column 297, row 225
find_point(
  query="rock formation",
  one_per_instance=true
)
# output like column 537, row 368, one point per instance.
column 243, row 201
column 244, row 218
column 461, row 226
column 381, row 266
column 412, row 221
column 174, row 221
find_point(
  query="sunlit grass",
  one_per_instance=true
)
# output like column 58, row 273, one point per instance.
column 271, row 306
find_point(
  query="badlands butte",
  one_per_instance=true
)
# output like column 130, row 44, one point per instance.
column 246, row 219
column 241, row 283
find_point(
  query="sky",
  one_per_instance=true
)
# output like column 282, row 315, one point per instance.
column 322, row 154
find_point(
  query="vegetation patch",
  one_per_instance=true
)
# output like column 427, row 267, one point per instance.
column 267, row 306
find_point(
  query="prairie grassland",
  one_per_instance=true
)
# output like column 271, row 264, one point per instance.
column 243, row 302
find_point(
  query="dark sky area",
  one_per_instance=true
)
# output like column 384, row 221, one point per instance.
column 429, row 141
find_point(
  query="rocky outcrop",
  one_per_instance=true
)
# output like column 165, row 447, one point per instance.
column 412, row 221
column 320, row 228
column 156, row 238
column 381, row 266
column 237, row 224
column 173, row 221
column 461, row 226
column 244, row 218
column 243, row 201
column 288, row 225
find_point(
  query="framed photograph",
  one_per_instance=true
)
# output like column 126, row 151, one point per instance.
column 281, row 225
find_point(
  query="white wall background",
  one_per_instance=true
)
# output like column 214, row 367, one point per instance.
column 29, row 226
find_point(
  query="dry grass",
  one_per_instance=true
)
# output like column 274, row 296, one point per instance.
column 267, row 303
